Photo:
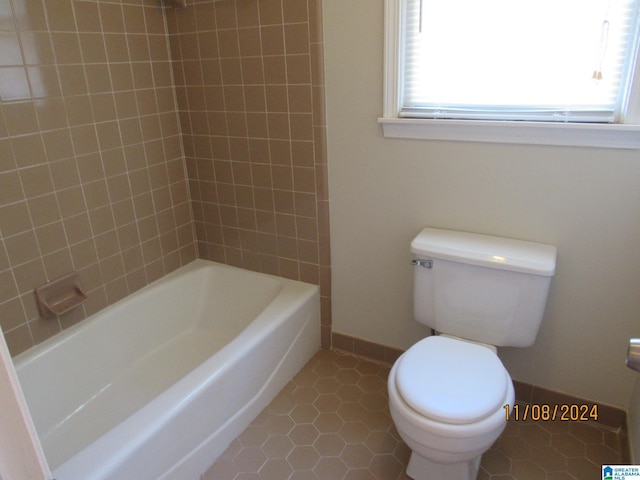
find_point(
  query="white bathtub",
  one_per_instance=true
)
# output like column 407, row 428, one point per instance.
column 157, row 385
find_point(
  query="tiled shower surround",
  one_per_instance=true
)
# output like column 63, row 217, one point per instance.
column 135, row 137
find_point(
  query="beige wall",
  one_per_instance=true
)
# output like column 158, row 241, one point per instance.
column 383, row 191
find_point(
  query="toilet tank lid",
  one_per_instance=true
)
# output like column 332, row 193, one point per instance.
column 486, row 251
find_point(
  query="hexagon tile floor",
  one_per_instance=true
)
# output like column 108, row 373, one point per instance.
column 331, row 422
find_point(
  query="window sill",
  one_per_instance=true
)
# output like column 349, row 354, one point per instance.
column 624, row 136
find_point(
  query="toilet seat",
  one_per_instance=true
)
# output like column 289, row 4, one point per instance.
column 452, row 381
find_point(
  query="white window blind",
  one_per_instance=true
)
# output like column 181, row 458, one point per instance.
column 542, row 60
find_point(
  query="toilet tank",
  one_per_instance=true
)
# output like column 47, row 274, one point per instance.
column 482, row 288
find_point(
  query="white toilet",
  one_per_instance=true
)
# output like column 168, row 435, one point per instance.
column 448, row 392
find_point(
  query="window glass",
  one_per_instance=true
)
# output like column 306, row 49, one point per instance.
column 547, row 60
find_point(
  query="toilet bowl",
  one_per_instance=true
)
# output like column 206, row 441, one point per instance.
column 448, row 393
column 447, row 399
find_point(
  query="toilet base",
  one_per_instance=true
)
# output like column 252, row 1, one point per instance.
column 420, row 468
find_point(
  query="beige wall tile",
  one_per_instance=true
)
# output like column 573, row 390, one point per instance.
column 71, row 129
column 20, row 118
column 101, row 184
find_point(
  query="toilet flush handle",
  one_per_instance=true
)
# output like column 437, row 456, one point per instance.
column 633, row 354
column 422, row 263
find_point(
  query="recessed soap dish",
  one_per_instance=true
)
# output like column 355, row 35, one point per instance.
column 60, row 295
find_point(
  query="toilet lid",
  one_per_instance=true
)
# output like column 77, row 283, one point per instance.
column 452, row 381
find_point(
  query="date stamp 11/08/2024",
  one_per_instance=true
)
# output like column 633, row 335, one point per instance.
column 566, row 412
column 563, row 412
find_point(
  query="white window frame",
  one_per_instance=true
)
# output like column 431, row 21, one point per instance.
column 614, row 135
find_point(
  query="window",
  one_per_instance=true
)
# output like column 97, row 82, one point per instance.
column 557, row 72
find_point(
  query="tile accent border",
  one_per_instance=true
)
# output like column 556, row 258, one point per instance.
column 365, row 348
